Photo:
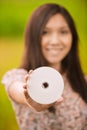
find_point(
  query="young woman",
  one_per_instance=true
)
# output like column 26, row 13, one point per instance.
column 51, row 40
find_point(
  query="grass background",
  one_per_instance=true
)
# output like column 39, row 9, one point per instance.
column 13, row 18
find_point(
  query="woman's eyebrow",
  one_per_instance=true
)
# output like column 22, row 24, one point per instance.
column 61, row 27
column 64, row 27
column 46, row 28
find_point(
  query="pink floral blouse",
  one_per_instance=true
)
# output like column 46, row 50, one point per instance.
column 71, row 114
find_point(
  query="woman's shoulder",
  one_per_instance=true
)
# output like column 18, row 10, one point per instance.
column 14, row 74
column 85, row 77
column 16, row 70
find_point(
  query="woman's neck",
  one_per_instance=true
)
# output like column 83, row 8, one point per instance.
column 56, row 66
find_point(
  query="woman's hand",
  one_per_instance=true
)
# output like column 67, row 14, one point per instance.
column 31, row 103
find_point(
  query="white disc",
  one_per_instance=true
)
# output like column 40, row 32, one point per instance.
column 45, row 85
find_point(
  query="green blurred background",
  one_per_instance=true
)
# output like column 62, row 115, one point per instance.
column 13, row 17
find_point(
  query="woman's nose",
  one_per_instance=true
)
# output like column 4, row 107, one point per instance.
column 54, row 39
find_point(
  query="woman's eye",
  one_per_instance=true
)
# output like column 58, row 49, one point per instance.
column 44, row 32
column 47, row 32
column 64, row 32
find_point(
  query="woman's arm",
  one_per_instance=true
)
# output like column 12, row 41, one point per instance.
column 16, row 92
column 14, row 81
column 16, row 84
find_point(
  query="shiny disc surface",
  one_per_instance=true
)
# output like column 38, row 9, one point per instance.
column 45, row 85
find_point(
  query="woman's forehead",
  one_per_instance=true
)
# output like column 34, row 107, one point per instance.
column 56, row 20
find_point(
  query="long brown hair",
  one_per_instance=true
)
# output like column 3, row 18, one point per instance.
column 33, row 58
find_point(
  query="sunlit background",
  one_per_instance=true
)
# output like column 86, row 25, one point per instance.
column 13, row 17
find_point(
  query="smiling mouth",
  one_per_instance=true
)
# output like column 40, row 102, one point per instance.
column 54, row 51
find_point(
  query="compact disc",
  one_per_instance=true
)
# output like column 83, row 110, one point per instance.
column 45, row 85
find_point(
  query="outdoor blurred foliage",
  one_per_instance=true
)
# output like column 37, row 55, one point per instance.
column 13, row 18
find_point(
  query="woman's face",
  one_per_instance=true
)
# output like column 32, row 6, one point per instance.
column 56, row 40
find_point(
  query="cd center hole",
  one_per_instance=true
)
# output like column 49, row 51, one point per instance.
column 45, row 85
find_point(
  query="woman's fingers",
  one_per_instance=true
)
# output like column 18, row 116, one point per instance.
column 30, row 71
column 25, row 86
column 59, row 100
column 28, row 75
column 26, row 94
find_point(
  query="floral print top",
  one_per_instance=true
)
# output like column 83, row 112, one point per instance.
column 71, row 114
